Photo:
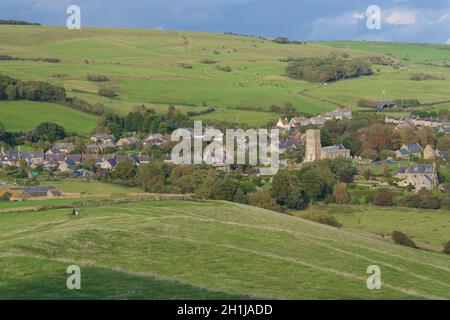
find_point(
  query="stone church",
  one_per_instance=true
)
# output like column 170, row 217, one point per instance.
column 315, row 151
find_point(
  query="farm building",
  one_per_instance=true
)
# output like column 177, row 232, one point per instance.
column 419, row 176
column 130, row 141
column 28, row 193
column 409, row 150
column 15, row 195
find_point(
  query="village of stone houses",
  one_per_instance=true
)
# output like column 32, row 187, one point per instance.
column 394, row 158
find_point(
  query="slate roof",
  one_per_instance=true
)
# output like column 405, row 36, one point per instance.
column 76, row 158
column 414, row 148
column 441, row 154
column 417, row 169
column 62, row 146
column 38, row 191
column 55, row 157
column 288, row 143
column 335, row 148
column 404, row 151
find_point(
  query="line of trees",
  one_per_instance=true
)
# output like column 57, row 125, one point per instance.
column 43, row 136
column 19, row 22
column 143, row 120
column 285, row 40
column 13, row 89
column 288, row 190
column 11, row 58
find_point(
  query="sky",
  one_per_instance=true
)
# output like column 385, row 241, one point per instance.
column 400, row 20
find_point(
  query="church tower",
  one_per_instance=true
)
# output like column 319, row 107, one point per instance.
column 313, row 145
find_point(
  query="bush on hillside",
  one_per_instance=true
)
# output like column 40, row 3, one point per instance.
column 323, row 218
column 369, row 198
column 97, row 78
column 208, row 61
column 200, row 113
column 424, row 76
column 407, row 103
column 107, row 92
column 383, row 198
column 402, row 239
column 447, row 247
column 341, row 194
column 224, row 68
column 424, row 199
column 262, row 199
column 365, row 103
column 185, row 65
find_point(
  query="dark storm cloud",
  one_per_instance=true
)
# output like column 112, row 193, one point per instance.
column 420, row 21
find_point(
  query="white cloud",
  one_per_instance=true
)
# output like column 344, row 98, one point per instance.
column 359, row 16
column 348, row 18
column 444, row 18
column 343, row 26
column 402, row 17
column 448, row 41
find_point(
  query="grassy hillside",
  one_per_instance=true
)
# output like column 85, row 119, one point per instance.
column 423, row 226
column 416, row 53
column 415, row 58
column 207, row 250
column 27, row 115
column 145, row 67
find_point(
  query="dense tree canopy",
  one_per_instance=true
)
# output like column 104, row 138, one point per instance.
column 14, row 89
column 49, row 132
column 327, row 69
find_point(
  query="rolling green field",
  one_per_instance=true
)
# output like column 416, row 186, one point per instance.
column 27, row 115
column 423, row 226
column 144, row 67
column 88, row 190
column 16, row 205
column 90, row 187
column 171, row 249
column 416, row 53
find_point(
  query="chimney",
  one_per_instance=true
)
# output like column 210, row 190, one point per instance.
column 3, row 151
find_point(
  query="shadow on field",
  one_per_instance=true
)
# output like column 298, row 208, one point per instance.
column 38, row 279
